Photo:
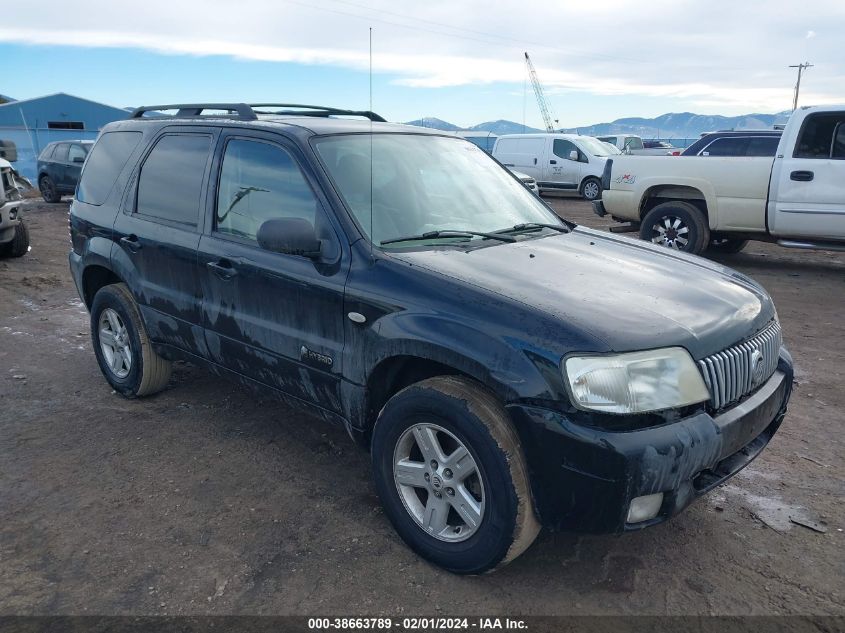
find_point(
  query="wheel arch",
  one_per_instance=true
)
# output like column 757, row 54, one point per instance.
column 393, row 373
column 94, row 277
column 691, row 194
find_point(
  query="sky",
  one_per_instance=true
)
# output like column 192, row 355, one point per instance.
column 459, row 61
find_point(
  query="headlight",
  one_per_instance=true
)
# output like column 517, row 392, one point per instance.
column 636, row 382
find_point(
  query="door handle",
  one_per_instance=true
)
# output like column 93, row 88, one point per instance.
column 222, row 269
column 131, row 242
column 535, row 161
column 552, row 162
column 801, row 176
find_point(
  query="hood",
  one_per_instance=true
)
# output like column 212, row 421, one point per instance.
column 630, row 294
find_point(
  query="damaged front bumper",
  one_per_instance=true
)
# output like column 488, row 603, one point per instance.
column 585, row 478
column 9, row 220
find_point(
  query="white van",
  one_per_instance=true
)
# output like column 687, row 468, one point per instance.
column 558, row 162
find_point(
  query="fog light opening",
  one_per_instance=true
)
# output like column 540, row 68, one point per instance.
column 644, row 508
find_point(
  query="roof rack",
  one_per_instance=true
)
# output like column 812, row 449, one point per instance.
column 320, row 111
column 185, row 110
column 248, row 112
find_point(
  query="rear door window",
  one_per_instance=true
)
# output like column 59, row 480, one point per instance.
column 108, row 157
column 170, row 183
column 762, row 146
column 817, row 136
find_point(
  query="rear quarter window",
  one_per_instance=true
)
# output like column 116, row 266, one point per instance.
column 107, row 159
column 47, row 152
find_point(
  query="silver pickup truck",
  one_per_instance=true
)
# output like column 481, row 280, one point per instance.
column 796, row 199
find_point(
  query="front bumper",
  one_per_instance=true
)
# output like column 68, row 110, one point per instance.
column 584, row 478
column 8, row 222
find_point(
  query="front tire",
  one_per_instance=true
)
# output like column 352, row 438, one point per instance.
column 677, row 225
column 591, row 189
column 48, row 189
column 451, row 475
column 20, row 244
column 123, row 349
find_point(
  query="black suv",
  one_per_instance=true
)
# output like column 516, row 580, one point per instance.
column 506, row 369
column 736, row 143
column 59, row 166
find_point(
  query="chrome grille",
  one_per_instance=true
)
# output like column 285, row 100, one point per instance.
column 738, row 370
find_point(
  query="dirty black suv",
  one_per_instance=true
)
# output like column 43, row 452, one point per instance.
column 507, row 369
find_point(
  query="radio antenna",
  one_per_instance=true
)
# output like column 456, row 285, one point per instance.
column 372, row 234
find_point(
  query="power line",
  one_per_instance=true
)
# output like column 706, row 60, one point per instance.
column 474, row 36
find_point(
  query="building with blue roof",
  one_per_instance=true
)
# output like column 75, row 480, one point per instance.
column 33, row 123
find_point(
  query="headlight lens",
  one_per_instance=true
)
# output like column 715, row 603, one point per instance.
column 637, row 382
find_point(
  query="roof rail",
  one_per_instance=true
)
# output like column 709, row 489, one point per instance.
column 247, row 112
column 321, row 111
column 186, row 110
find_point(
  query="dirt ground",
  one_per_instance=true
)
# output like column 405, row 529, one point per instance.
column 208, row 499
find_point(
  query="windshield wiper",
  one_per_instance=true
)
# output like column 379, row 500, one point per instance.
column 430, row 235
column 527, row 226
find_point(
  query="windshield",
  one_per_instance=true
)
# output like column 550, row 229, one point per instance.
column 422, row 184
column 596, row 147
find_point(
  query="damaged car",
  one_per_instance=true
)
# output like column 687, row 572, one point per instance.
column 14, row 235
column 508, row 370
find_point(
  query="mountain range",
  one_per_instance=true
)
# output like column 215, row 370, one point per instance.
column 666, row 126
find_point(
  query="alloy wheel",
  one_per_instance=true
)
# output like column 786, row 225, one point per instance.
column 671, row 231
column 47, row 189
column 591, row 190
column 439, row 482
column 114, row 343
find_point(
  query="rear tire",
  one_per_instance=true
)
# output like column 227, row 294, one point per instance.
column 461, row 500
column 48, row 189
column 123, row 349
column 727, row 245
column 591, row 189
column 676, row 225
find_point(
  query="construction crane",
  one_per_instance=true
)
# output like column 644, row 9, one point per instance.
column 541, row 98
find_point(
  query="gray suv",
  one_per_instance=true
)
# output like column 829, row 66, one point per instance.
column 59, row 167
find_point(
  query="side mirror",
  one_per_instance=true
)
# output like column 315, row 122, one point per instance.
column 291, row 236
column 573, row 155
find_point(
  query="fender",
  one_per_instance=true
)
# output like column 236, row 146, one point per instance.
column 507, row 364
column 705, row 188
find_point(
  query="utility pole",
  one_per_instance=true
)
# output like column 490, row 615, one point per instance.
column 800, row 68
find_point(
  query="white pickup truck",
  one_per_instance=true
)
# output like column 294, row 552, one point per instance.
column 692, row 203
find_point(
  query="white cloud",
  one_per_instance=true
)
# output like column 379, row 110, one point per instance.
column 717, row 54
